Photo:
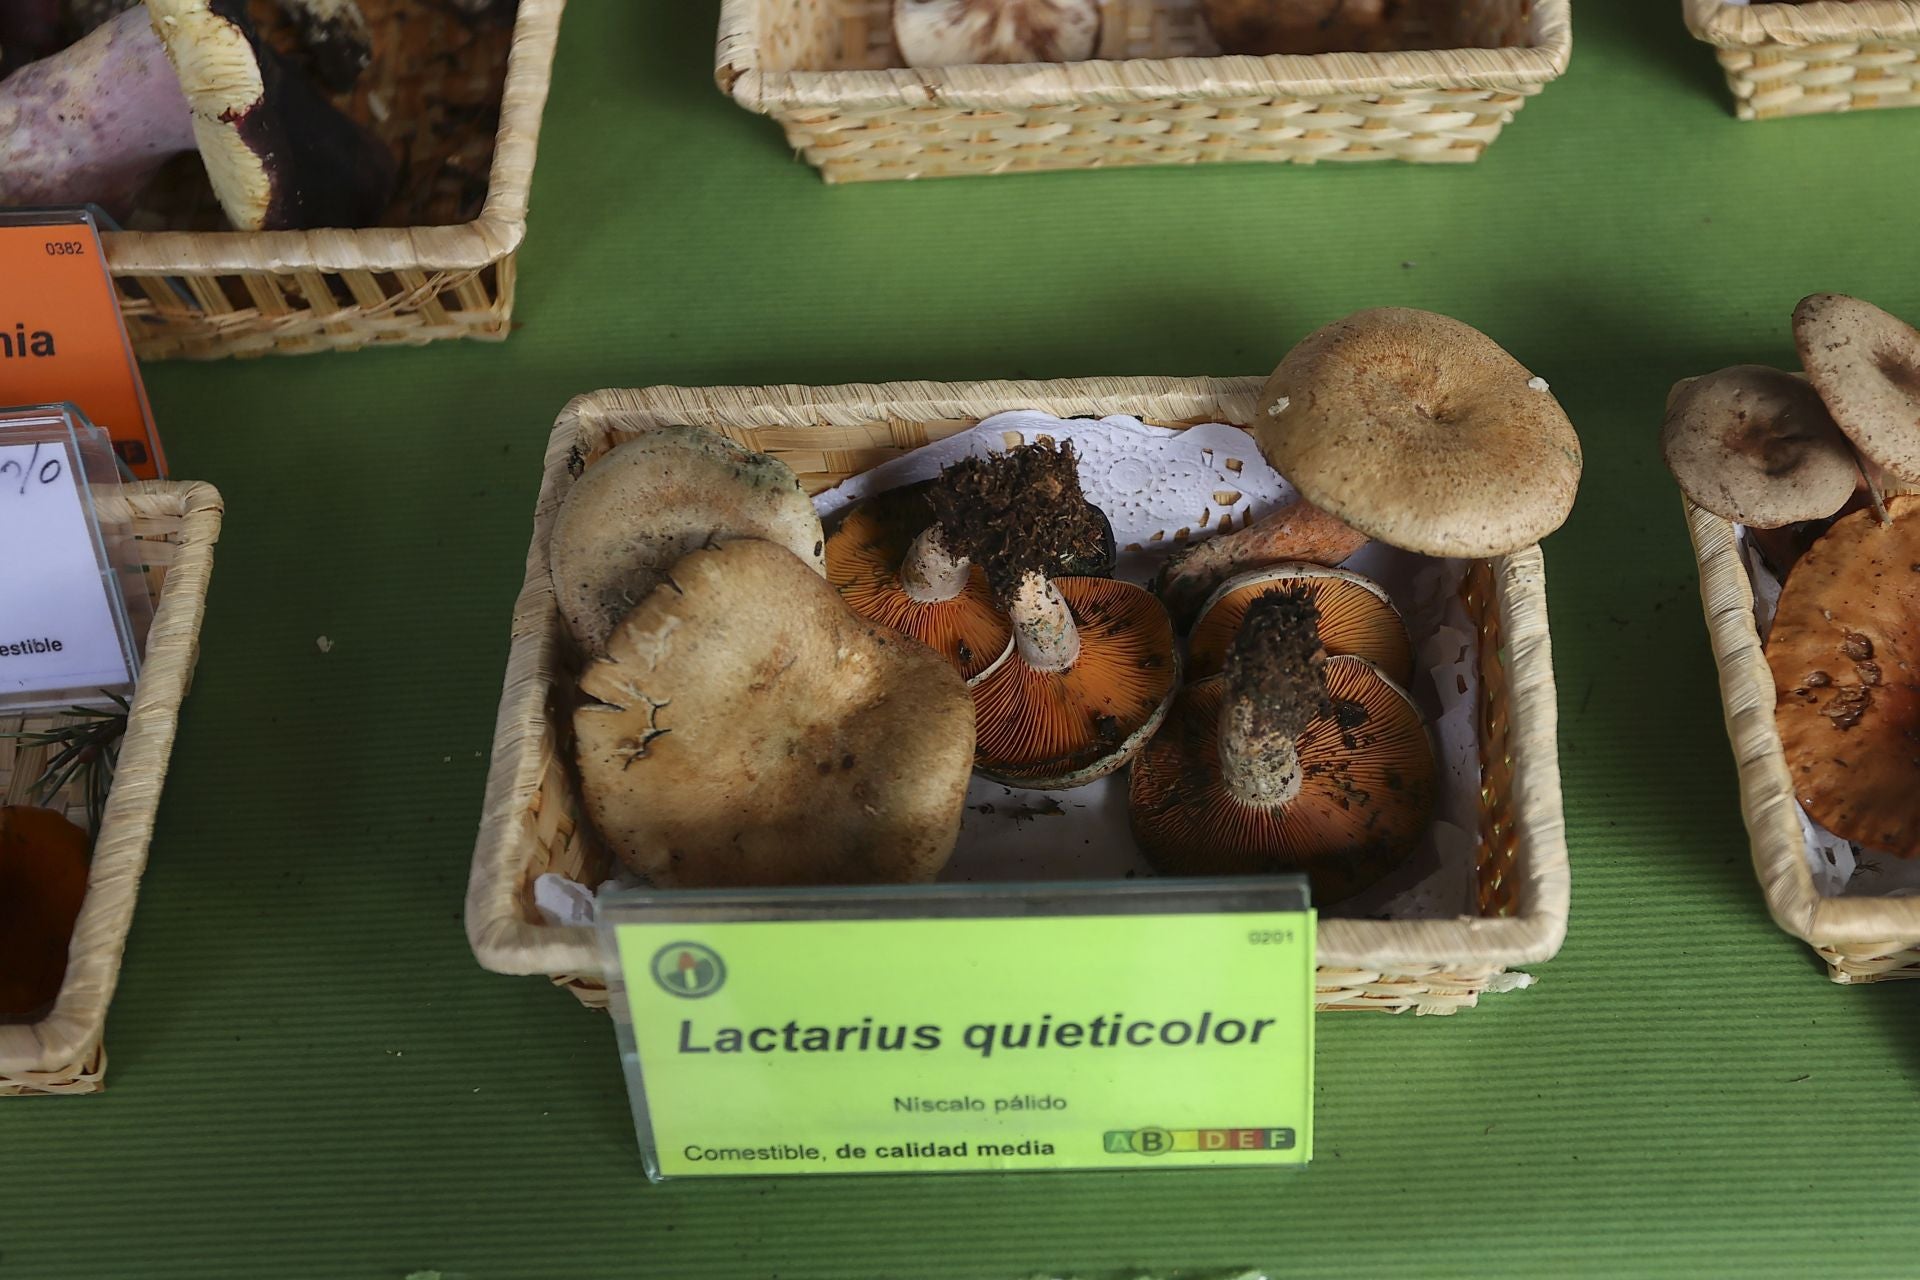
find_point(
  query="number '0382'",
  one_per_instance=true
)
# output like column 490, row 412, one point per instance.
column 65, row 248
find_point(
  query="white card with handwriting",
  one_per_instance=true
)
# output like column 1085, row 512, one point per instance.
column 57, row 620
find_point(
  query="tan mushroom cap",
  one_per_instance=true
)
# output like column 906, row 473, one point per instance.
column 1866, row 365
column 1845, row 654
column 652, row 500
column 1757, row 446
column 750, row 729
column 957, row 33
column 1422, row 432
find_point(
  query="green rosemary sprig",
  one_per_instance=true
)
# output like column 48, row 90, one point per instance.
column 86, row 746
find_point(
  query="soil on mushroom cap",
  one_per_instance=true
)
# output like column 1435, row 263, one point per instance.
column 1020, row 512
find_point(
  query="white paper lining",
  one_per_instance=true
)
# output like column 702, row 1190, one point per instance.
column 1160, row 487
column 1840, row 868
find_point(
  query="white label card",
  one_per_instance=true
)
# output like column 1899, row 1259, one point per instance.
column 57, row 628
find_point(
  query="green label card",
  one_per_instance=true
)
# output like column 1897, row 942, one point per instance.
column 864, row 1045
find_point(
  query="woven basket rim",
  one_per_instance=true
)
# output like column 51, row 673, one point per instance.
column 738, row 72
column 1735, row 26
column 1767, row 800
column 470, row 246
column 72, row 1030
column 504, row 943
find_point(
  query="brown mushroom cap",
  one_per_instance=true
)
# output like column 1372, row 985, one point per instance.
column 652, row 500
column 1866, row 366
column 750, row 730
column 1422, row 432
column 1845, row 654
column 865, row 552
column 1366, row 790
column 1052, row 730
column 1757, row 446
column 1356, row 618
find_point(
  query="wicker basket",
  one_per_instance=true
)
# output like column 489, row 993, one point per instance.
column 530, row 824
column 1809, row 59
column 62, row 1053
column 206, row 294
column 828, row 71
column 1862, row 939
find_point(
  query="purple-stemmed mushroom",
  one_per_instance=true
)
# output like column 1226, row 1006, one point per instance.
column 93, row 123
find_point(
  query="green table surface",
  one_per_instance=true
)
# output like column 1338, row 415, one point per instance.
column 312, row 1078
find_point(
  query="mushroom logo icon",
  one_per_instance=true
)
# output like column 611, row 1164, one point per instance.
column 688, row 969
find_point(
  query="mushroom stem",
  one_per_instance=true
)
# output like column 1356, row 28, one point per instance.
column 1876, row 488
column 1276, row 685
column 1043, row 629
column 931, row 572
column 94, row 121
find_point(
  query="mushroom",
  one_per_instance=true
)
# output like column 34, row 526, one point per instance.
column 333, row 33
column 892, row 564
column 94, row 121
column 650, row 501
column 43, row 882
column 1756, row 446
column 1288, row 761
column 1355, row 618
column 1296, row 531
column 750, row 729
column 1422, row 432
column 1264, row 27
column 1477, row 24
column 1093, row 665
column 889, row 562
column 1865, row 364
column 954, row 33
column 1845, row 655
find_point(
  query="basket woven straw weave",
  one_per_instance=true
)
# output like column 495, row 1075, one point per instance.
column 1809, row 59
column 829, row 72
column 531, row 822
column 62, row 1052
column 442, row 267
column 1862, row 939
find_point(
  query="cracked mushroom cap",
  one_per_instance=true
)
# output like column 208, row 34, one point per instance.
column 1357, row 619
column 1845, row 654
column 1422, row 432
column 865, row 553
column 649, row 502
column 1756, row 446
column 1866, row 365
column 749, row 729
column 278, row 153
column 1057, row 729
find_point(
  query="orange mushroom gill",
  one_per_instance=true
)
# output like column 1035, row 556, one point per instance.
column 1289, row 761
column 888, row 563
column 1356, row 618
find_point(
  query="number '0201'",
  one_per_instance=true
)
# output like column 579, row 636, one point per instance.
column 1270, row 937
column 65, row 248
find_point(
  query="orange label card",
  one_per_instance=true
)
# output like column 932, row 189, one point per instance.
column 62, row 338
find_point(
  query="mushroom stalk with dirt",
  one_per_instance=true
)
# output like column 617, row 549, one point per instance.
column 1356, row 618
column 1093, row 664
column 895, row 563
column 1287, row 761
